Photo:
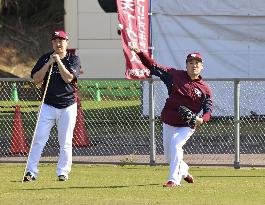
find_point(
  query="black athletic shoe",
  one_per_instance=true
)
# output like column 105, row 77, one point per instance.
column 29, row 177
column 62, row 178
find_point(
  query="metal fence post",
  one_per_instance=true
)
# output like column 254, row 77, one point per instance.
column 237, row 123
column 152, row 122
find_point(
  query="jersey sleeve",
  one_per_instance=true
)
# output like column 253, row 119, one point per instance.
column 163, row 72
column 75, row 66
column 207, row 106
column 40, row 63
column 151, row 64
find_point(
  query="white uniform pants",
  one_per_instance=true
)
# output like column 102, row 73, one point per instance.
column 173, row 140
column 65, row 120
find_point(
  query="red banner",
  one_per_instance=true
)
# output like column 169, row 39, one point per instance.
column 134, row 28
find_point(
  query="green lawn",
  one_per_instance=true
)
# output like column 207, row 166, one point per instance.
column 98, row 184
column 120, row 104
column 124, row 89
column 27, row 106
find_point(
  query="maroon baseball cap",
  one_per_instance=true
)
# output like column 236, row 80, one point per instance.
column 194, row 55
column 59, row 34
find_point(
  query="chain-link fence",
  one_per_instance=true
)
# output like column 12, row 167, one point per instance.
column 118, row 122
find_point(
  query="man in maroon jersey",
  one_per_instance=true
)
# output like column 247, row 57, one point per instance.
column 185, row 88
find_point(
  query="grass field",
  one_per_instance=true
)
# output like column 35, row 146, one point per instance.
column 111, row 88
column 98, row 184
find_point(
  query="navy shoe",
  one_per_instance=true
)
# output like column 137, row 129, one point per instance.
column 29, row 177
column 62, row 178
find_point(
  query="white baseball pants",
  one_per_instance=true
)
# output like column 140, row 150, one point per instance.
column 174, row 139
column 65, row 120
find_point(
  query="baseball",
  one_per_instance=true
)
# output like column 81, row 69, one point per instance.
column 119, row 26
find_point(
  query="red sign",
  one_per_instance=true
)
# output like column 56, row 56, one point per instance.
column 134, row 25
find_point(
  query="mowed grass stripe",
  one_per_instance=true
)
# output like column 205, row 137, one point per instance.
column 106, row 184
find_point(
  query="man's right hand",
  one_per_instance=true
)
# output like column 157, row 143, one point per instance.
column 51, row 59
column 135, row 49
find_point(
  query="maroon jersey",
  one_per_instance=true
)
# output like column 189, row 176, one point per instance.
column 182, row 90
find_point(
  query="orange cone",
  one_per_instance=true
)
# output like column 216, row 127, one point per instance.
column 18, row 141
column 80, row 133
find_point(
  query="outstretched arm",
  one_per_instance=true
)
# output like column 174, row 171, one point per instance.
column 158, row 70
column 150, row 63
column 145, row 59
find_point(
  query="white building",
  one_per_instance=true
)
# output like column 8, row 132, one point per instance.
column 93, row 32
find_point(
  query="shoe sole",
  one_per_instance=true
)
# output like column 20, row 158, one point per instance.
column 171, row 185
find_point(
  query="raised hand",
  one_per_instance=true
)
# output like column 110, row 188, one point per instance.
column 134, row 49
